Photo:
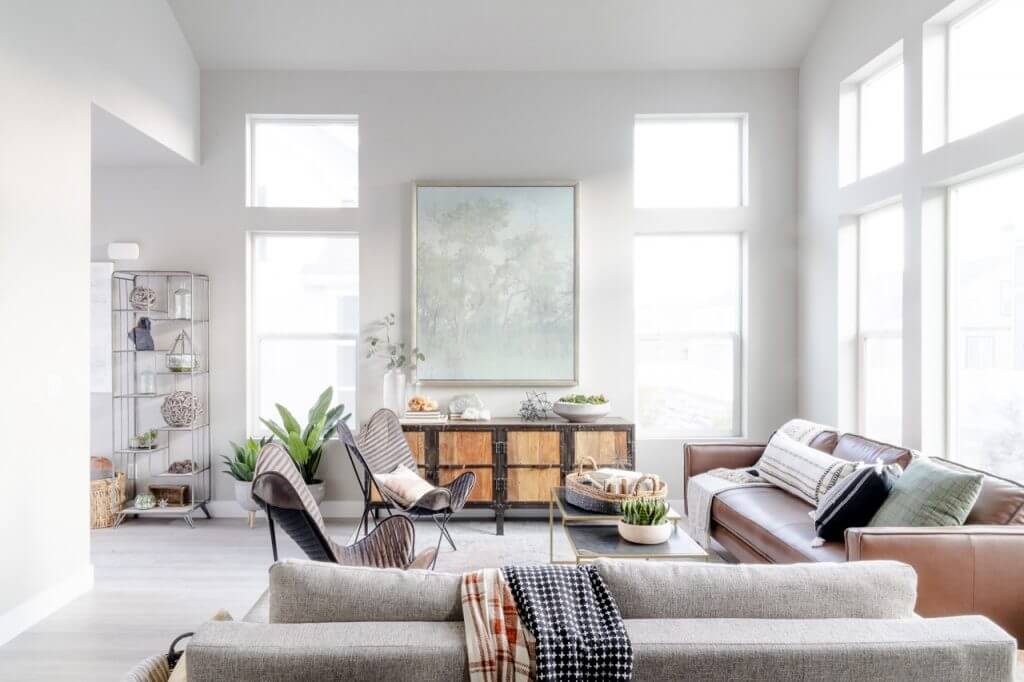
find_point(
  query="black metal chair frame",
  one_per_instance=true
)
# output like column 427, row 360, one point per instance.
column 440, row 504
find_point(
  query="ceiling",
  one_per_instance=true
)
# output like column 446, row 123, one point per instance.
column 484, row 35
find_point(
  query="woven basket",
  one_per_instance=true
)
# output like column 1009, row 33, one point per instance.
column 590, row 498
column 106, row 497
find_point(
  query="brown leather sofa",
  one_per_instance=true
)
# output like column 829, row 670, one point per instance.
column 977, row 568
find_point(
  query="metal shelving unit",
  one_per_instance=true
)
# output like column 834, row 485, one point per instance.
column 136, row 411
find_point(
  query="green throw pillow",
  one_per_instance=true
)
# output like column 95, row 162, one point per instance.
column 929, row 494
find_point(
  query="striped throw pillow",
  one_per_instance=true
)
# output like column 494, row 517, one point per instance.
column 800, row 469
column 855, row 500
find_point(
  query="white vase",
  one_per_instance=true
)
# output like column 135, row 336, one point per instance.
column 318, row 490
column 243, row 496
column 394, row 391
column 645, row 535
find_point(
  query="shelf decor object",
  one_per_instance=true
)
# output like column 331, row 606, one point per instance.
column 511, row 317
column 162, row 391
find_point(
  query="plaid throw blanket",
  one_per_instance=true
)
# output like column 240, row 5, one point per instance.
column 497, row 644
column 577, row 626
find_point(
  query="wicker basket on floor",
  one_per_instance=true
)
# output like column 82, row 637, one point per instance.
column 106, row 497
column 592, row 499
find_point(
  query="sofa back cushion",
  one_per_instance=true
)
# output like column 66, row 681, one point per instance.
column 855, row 448
column 861, row 589
column 1000, row 502
column 800, row 469
column 317, row 592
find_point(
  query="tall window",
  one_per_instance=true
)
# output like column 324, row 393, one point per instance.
column 986, row 318
column 303, row 321
column 986, row 67
column 871, row 117
column 303, row 161
column 880, row 324
column 696, row 161
column 689, row 334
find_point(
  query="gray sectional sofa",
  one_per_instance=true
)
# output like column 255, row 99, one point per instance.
column 687, row 621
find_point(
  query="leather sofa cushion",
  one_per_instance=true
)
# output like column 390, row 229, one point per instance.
column 774, row 523
column 825, row 441
column 1000, row 502
column 854, row 448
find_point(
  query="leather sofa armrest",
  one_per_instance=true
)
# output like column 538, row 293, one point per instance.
column 960, row 569
column 702, row 457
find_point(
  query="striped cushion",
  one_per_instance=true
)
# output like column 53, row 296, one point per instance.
column 854, row 500
column 800, row 469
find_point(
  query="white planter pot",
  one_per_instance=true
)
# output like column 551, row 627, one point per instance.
column 318, row 490
column 243, row 496
column 394, row 391
column 645, row 535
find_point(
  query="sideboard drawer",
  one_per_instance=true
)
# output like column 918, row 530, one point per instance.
column 457, row 448
column 532, row 484
column 534, row 447
column 483, row 491
column 606, row 447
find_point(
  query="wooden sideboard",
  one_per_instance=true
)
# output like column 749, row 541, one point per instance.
column 517, row 462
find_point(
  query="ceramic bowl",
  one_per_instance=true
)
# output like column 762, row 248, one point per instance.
column 581, row 412
column 645, row 535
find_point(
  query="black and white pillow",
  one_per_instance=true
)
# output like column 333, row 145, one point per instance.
column 854, row 500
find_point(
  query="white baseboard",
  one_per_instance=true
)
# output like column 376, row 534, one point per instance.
column 29, row 612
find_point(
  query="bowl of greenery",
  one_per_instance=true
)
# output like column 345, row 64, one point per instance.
column 582, row 408
column 645, row 521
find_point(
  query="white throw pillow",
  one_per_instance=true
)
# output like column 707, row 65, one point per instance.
column 404, row 485
column 800, row 469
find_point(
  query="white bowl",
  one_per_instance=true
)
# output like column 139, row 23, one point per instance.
column 581, row 412
column 645, row 535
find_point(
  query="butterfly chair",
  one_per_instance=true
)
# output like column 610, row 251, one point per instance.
column 382, row 448
column 279, row 489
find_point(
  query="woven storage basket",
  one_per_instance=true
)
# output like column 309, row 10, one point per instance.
column 590, row 498
column 106, row 497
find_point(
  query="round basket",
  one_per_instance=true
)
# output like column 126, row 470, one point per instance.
column 590, row 498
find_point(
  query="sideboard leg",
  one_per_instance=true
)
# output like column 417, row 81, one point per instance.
column 499, row 520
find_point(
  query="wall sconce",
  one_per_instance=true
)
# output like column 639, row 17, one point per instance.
column 122, row 250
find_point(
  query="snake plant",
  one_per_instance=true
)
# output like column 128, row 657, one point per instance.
column 242, row 466
column 305, row 444
column 644, row 511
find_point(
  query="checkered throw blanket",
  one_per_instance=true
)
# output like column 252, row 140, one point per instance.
column 577, row 626
column 497, row 643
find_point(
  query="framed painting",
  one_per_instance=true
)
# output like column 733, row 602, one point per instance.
column 496, row 282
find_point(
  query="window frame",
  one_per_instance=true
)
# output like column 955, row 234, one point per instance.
column 739, row 338
column 254, row 340
column 865, row 335
column 251, row 120
column 850, row 129
column 743, row 190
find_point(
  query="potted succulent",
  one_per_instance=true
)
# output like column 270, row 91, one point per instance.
column 645, row 521
column 582, row 408
column 306, row 444
column 241, row 467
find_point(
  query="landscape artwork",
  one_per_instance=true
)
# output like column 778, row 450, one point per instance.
column 496, row 283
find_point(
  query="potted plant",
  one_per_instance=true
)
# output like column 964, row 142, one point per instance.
column 380, row 345
column 306, row 444
column 241, row 467
column 582, row 408
column 645, row 521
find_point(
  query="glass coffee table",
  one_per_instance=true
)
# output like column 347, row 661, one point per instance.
column 592, row 536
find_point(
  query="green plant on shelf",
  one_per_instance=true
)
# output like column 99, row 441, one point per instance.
column 242, row 466
column 581, row 399
column 305, row 445
column 644, row 511
column 147, row 439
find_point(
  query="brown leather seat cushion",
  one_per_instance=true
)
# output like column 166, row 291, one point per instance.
column 1000, row 502
column 857, row 449
column 774, row 523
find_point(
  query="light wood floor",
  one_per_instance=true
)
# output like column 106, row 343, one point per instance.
column 156, row 579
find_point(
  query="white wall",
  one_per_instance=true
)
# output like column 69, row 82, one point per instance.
column 56, row 59
column 853, row 32
column 476, row 126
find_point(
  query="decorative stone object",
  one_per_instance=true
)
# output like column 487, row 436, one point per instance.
column 142, row 298
column 145, row 501
column 181, row 409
